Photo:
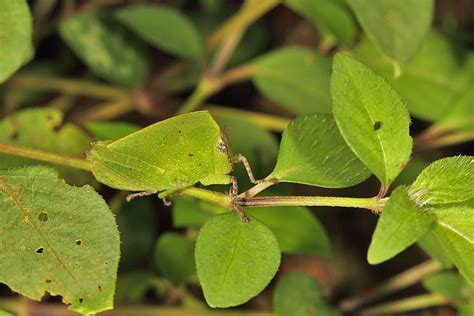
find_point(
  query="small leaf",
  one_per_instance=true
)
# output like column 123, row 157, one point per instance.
column 162, row 27
column 372, row 118
column 194, row 141
column 401, row 224
column 43, row 129
column 174, row 257
column 235, row 260
column 397, row 27
column 295, row 77
column 449, row 284
column 447, row 180
column 110, row 130
column 455, row 232
column 296, row 229
column 313, row 152
column 16, row 36
column 332, row 17
column 298, row 294
column 106, row 48
column 57, row 238
column 190, row 212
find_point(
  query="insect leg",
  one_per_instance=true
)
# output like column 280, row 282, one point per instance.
column 130, row 197
column 234, row 190
column 241, row 158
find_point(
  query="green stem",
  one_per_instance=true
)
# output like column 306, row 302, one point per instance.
column 271, row 122
column 209, row 196
column 67, row 86
column 45, row 156
column 204, row 89
column 249, row 13
column 405, row 305
column 447, row 140
column 401, row 281
column 333, row 201
column 108, row 110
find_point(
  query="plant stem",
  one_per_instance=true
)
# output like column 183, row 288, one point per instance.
column 405, row 305
column 45, row 156
column 209, row 196
column 248, row 14
column 447, row 140
column 225, row 53
column 206, row 87
column 108, row 110
column 256, row 189
column 401, row 281
column 68, row 86
column 333, row 201
column 271, row 122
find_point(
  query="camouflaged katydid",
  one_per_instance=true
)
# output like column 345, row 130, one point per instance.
column 167, row 157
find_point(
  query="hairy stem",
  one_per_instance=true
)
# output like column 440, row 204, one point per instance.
column 67, row 86
column 45, row 156
column 401, row 281
column 333, row 201
column 405, row 305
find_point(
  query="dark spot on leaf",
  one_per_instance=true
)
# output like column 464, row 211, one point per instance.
column 400, row 165
column 377, row 125
column 43, row 217
column 106, row 263
column 190, row 154
column 13, row 136
column 76, row 264
column 48, row 281
column 100, row 288
column 81, row 300
column 40, row 250
column 294, row 131
column 78, row 242
column 50, row 117
column 179, row 131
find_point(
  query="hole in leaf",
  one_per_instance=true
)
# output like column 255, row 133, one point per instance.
column 40, row 250
column 377, row 125
column 78, row 242
column 81, row 300
column 43, row 217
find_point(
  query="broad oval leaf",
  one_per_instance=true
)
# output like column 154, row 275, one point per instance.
column 447, row 180
column 58, row 239
column 398, row 27
column 186, row 149
column 162, row 27
column 298, row 294
column 454, row 230
column 431, row 246
column 16, row 36
column 43, row 129
column 174, row 257
column 401, row 224
column 295, row 77
column 372, row 118
column 235, row 260
column 106, row 48
column 333, row 17
column 313, row 152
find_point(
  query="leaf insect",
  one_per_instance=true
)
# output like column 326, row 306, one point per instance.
column 167, row 157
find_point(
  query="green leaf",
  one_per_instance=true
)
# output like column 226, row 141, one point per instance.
column 447, row 180
column 43, row 129
column 296, row 229
column 257, row 144
column 431, row 246
column 298, row 294
column 372, row 118
column 174, row 257
column 401, row 224
column 296, row 78
column 106, row 48
column 57, row 238
column 313, row 152
column 466, row 310
column 449, row 284
column 163, row 27
column 137, row 230
column 110, row 130
column 397, row 27
column 235, row 260
column 430, row 95
column 190, row 212
column 16, row 36
column 3, row 313
column 130, row 163
column 132, row 287
column 455, row 232
column 332, row 17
